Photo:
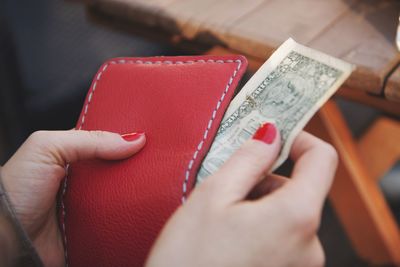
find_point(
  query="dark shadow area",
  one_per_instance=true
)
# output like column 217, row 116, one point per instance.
column 49, row 54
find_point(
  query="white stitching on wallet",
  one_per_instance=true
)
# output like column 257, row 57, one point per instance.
column 210, row 122
column 199, row 146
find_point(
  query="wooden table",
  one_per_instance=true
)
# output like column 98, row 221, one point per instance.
column 360, row 32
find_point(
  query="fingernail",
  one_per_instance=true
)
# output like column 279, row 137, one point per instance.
column 132, row 136
column 266, row 133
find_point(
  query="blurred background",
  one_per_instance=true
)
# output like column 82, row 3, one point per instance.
column 49, row 52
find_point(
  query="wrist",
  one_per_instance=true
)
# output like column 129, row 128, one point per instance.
column 18, row 247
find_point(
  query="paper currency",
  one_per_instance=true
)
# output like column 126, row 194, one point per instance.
column 288, row 89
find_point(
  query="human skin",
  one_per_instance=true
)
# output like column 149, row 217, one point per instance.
column 33, row 175
column 231, row 219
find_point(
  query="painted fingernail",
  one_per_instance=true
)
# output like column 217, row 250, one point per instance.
column 266, row 133
column 132, row 136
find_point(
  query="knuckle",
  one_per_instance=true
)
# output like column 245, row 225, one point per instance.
column 251, row 154
column 210, row 192
column 306, row 222
column 96, row 139
column 330, row 152
column 96, row 134
column 38, row 138
column 203, row 198
column 208, row 188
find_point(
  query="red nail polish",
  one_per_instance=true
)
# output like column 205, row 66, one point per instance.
column 132, row 136
column 266, row 133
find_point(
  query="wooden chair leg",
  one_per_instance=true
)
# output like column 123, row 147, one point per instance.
column 356, row 197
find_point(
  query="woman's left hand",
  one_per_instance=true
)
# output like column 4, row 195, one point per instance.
column 32, row 178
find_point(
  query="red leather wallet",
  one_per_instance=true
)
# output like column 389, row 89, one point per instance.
column 112, row 211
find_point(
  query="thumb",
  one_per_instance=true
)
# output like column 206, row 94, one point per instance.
column 248, row 164
column 63, row 147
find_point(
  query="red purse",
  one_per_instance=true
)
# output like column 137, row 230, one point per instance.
column 112, row 211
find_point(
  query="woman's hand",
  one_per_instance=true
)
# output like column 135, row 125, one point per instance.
column 233, row 219
column 32, row 178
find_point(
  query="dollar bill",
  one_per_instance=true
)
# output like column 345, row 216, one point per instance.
column 287, row 90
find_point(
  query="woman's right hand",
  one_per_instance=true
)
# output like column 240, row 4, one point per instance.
column 233, row 219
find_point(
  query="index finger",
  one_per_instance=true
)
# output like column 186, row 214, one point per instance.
column 315, row 166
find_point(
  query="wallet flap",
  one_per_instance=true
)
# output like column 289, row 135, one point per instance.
column 112, row 211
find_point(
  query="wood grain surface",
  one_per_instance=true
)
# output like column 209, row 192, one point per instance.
column 358, row 31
